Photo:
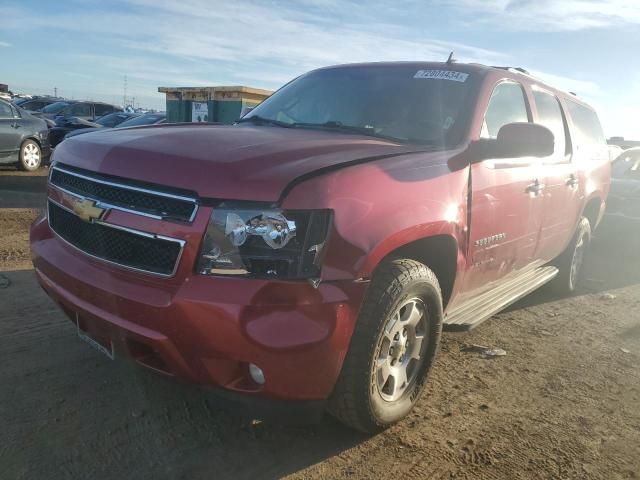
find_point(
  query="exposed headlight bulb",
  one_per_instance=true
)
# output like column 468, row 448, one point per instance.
column 273, row 227
column 275, row 230
column 235, row 229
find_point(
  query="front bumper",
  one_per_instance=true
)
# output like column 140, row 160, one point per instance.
column 207, row 329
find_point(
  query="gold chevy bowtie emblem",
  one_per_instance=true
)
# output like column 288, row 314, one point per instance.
column 87, row 210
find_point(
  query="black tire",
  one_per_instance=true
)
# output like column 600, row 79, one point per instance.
column 570, row 262
column 30, row 156
column 357, row 399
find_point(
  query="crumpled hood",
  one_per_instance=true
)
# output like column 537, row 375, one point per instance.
column 224, row 162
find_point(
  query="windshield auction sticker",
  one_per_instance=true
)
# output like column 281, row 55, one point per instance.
column 442, row 75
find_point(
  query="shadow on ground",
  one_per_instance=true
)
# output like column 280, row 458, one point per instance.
column 23, row 189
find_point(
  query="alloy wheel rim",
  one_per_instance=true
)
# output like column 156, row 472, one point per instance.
column 578, row 258
column 401, row 351
column 31, row 155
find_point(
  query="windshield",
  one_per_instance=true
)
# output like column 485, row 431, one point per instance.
column 396, row 102
column 33, row 105
column 148, row 119
column 54, row 107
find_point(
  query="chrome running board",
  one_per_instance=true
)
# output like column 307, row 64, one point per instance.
column 473, row 312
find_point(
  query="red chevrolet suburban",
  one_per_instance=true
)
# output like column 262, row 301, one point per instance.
column 309, row 256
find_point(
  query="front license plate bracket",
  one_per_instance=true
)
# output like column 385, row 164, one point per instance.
column 85, row 336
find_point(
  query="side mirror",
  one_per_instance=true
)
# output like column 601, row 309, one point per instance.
column 523, row 139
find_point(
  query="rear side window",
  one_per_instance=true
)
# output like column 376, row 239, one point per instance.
column 550, row 116
column 80, row 110
column 33, row 105
column 5, row 110
column 103, row 109
column 507, row 105
column 587, row 125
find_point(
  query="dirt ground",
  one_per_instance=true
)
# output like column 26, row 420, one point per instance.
column 563, row 403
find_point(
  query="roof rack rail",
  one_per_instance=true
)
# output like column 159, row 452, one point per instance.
column 513, row 69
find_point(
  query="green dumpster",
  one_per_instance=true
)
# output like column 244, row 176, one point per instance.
column 210, row 104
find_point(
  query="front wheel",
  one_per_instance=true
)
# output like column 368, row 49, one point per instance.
column 570, row 262
column 30, row 156
column 392, row 349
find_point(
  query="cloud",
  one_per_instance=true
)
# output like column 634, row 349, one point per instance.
column 288, row 37
column 549, row 15
column 569, row 84
column 5, row 44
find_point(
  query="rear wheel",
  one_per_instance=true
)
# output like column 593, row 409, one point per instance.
column 570, row 262
column 392, row 349
column 30, row 156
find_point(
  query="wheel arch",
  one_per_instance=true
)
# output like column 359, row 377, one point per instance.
column 593, row 211
column 438, row 252
column 30, row 137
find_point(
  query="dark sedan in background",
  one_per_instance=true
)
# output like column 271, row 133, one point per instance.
column 64, row 126
column 134, row 121
column 80, row 109
column 624, row 197
column 37, row 104
column 24, row 139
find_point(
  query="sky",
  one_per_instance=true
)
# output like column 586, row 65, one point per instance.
column 85, row 48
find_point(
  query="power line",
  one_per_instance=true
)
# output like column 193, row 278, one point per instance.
column 124, row 97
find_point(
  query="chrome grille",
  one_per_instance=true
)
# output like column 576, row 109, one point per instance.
column 119, row 194
column 125, row 247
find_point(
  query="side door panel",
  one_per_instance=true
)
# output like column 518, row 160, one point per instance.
column 505, row 215
column 590, row 153
column 81, row 110
column 562, row 194
column 562, row 204
column 10, row 132
column 505, row 220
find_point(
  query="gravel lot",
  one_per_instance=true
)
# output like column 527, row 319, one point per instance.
column 563, row 403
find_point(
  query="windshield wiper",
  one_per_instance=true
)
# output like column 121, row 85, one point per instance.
column 339, row 126
column 258, row 119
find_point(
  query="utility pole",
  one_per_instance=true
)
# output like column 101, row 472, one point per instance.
column 124, row 97
column 55, row 92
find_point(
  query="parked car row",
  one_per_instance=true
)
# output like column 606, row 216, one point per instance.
column 27, row 137
column 70, row 108
column 35, row 104
column 73, row 126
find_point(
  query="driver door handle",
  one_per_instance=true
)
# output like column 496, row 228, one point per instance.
column 536, row 187
column 572, row 181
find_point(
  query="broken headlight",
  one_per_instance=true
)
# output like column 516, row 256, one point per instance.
column 268, row 242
